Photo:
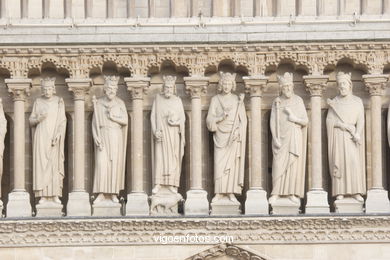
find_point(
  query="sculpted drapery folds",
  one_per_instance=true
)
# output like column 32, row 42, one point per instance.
column 48, row 121
column 227, row 119
column 345, row 128
column 109, row 129
column 168, row 119
column 289, row 137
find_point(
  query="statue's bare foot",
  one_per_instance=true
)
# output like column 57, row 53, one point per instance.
column 273, row 199
column 217, row 197
column 358, row 197
column 57, row 200
column 42, row 200
column 114, row 198
column 156, row 189
column 172, row 189
column 232, row 197
column 340, row 197
column 295, row 199
column 99, row 198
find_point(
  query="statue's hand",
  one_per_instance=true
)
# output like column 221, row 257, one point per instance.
column 41, row 117
column 99, row 144
column 340, row 125
column 54, row 141
column 288, row 111
column 277, row 143
column 158, row 136
column 356, row 139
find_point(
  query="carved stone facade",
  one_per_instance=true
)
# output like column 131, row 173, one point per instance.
column 141, row 44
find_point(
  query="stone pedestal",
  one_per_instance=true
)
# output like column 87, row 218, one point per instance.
column 78, row 204
column 137, row 204
column 377, row 201
column 196, row 203
column 225, row 207
column 256, row 202
column 49, row 209
column 317, row 202
column 165, row 203
column 19, row 204
column 106, row 208
column 348, row 206
column 285, row 206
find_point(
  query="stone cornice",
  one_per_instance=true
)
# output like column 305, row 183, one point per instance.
column 139, row 59
column 253, row 230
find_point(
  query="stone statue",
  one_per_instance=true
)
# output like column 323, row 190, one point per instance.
column 168, row 122
column 227, row 119
column 48, row 121
column 345, row 127
column 109, row 129
column 289, row 138
column 3, row 131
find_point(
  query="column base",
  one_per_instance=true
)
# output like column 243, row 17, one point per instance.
column 19, row 204
column 256, row 203
column 78, row 204
column 137, row 204
column 49, row 209
column 348, row 206
column 196, row 203
column 317, row 202
column 106, row 208
column 377, row 201
column 284, row 206
column 225, row 207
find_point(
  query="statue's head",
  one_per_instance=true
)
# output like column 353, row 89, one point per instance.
column 110, row 86
column 227, row 82
column 48, row 87
column 169, row 86
column 286, row 84
column 344, row 83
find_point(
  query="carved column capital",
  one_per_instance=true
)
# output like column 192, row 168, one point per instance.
column 375, row 84
column 19, row 88
column 315, row 84
column 79, row 87
column 196, row 86
column 137, row 86
column 255, row 85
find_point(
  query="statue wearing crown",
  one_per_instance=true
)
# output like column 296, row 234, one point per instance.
column 48, row 122
column 289, row 138
column 227, row 120
column 109, row 129
column 345, row 128
column 168, row 128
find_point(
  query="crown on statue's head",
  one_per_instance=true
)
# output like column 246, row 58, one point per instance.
column 111, row 81
column 286, row 79
column 48, row 82
column 227, row 76
column 343, row 76
column 169, row 79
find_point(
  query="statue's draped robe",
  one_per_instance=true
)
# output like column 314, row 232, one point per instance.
column 288, row 166
column 3, row 131
column 48, row 160
column 229, row 142
column 346, row 158
column 110, row 162
column 169, row 152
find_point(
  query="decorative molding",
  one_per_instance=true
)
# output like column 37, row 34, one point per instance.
column 79, row 87
column 315, row 84
column 19, row 88
column 375, row 84
column 256, row 59
column 253, row 230
column 138, row 86
column 226, row 250
column 196, row 86
column 255, row 86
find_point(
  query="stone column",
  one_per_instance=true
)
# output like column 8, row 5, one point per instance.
column 19, row 199
column 377, row 198
column 137, row 199
column 196, row 202
column 79, row 203
column 256, row 197
column 317, row 198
